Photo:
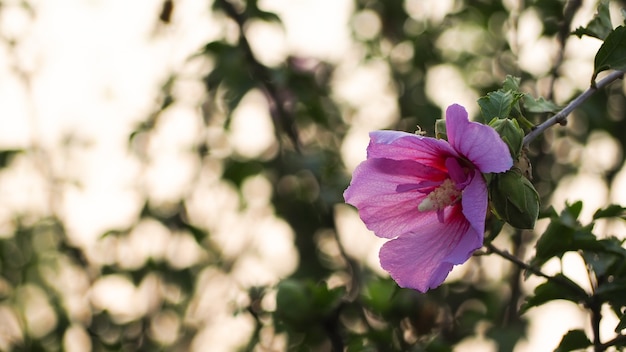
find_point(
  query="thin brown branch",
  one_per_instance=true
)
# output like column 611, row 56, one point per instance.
column 282, row 119
column 561, row 116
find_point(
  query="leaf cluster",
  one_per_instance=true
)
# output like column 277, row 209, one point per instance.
column 605, row 260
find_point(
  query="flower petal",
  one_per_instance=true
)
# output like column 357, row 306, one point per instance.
column 374, row 191
column 401, row 146
column 479, row 143
column 474, row 202
column 422, row 259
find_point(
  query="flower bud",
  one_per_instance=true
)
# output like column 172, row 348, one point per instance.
column 511, row 134
column 514, row 199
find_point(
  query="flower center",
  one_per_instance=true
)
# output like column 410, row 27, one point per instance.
column 442, row 196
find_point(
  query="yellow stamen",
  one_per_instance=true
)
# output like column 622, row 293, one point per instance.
column 442, row 196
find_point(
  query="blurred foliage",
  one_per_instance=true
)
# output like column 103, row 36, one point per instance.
column 337, row 302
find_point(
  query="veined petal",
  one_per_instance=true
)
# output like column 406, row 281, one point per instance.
column 382, row 207
column 474, row 202
column 479, row 143
column 422, row 259
column 402, row 146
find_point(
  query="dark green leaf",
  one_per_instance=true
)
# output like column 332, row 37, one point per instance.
column 7, row 155
column 612, row 293
column 573, row 340
column 600, row 25
column 498, row 104
column 565, row 234
column 612, row 53
column 560, row 287
column 612, row 211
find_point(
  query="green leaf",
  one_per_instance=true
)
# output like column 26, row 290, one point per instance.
column 7, row 155
column 498, row 104
column 612, row 211
column 539, row 105
column 612, row 293
column 573, row 340
column 560, row 287
column 612, row 53
column 511, row 83
column 600, row 25
column 565, row 234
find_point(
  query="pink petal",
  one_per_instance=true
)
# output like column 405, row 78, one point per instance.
column 475, row 203
column 479, row 143
column 401, row 145
column 374, row 192
column 422, row 259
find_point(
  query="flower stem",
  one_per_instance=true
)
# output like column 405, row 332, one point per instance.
column 561, row 116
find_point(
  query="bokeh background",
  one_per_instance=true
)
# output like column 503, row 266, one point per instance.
column 167, row 165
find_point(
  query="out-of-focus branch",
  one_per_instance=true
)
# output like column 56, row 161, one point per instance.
column 569, row 11
column 281, row 118
column 561, row 116
column 515, row 260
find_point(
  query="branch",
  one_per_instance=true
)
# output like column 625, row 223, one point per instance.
column 515, row 260
column 561, row 116
column 282, row 119
column 619, row 340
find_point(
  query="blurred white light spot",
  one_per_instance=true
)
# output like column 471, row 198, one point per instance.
column 228, row 333
column 306, row 35
column 117, row 295
column 548, row 324
column 39, row 315
column 164, row 327
column 10, row 328
column 434, row 11
column 590, row 188
column 602, row 153
column 445, row 86
column 366, row 24
column 183, row 251
column 358, row 242
column 251, row 130
column 354, row 146
column 76, row 339
column 267, row 41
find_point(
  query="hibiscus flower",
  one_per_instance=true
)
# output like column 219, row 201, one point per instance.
column 428, row 196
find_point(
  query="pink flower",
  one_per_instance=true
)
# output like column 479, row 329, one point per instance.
column 428, row 196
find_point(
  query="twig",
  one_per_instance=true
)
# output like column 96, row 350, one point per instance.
column 561, row 116
column 515, row 260
column 571, row 7
column 596, row 316
column 282, row 118
column 618, row 340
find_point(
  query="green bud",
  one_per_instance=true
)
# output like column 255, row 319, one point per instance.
column 514, row 199
column 511, row 134
column 440, row 129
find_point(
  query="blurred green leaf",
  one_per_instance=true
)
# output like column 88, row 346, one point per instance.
column 573, row 340
column 560, row 287
column 7, row 155
column 600, row 25
column 612, row 53
column 611, row 211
